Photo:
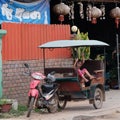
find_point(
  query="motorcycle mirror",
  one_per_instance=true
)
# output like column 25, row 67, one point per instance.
column 26, row 65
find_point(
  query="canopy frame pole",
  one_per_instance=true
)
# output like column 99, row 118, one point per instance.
column 118, row 61
column 44, row 60
column 104, row 64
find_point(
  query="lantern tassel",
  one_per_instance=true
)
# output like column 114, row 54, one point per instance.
column 61, row 18
column 117, row 20
column 94, row 21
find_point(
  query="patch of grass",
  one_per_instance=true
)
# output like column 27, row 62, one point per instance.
column 4, row 115
column 37, row 110
column 14, row 113
column 21, row 110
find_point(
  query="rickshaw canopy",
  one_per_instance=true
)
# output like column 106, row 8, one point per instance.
column 72, row 43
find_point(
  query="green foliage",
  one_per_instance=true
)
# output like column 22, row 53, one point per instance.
column 99, row 57
column 77, row 52
column 81, row 36
column 5, row 101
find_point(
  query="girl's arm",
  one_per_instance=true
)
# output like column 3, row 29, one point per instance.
column 74, row 65
column 83, row 58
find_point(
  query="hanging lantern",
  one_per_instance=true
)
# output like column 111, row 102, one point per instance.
column 95, row 13
column 88, row 12
column 102, row 8
column 115, row 13
column 61, row 9
column 81, row 11
column 71, row 13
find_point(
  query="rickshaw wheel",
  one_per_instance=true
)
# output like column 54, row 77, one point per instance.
column 98, row 98
column 62, row 104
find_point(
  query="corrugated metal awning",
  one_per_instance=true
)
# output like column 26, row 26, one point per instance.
column 72, row 43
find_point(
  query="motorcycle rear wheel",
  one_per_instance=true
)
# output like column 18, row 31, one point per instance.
column 53, row 107
column 30, row 106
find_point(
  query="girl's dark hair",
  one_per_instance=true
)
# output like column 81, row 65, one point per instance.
column 79, row 60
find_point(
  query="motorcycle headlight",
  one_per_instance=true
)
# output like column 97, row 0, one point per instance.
column 38, row 76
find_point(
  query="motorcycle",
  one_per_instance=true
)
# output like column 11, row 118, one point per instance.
column 42, row 95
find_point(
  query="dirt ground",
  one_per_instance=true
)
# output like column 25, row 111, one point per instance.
column 73, row 113
column 82, row 110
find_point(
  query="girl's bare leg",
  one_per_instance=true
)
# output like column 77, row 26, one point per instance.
column 82, row 83
column 89, row 75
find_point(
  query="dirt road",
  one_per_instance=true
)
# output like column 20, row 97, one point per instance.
column 82, row 110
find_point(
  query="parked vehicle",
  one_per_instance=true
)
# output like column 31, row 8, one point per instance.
column 42, row 95
column 69, row 84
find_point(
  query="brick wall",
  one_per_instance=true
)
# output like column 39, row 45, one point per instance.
column 16, row 84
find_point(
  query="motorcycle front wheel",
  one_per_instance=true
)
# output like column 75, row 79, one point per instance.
column 53, row 104
column 62, row 104
column 31, row 103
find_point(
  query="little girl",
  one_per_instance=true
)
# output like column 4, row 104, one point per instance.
column 82, row 72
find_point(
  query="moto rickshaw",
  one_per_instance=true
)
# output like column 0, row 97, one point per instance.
column 69, row 83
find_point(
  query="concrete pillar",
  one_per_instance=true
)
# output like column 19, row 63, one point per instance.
column 2, row 33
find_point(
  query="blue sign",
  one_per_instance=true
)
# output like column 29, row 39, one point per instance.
column 35, row 12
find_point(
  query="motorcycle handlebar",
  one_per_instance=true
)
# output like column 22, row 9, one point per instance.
column 28, row 72
column 26, row 65
column 52, row 73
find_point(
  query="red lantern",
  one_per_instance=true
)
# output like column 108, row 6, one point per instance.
column 115, row 13
column 61, row 9
column 95, row 13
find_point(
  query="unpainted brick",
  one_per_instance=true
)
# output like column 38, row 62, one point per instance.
column 16, row 84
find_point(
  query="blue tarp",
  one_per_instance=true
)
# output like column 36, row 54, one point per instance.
column 35, row 12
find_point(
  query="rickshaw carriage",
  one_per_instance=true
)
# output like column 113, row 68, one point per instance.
column 69, row 84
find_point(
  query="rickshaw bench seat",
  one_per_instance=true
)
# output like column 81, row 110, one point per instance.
column 93, row 66
column 59, row 70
